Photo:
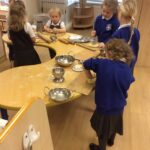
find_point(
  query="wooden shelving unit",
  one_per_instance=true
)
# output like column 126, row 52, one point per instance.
column 83, row 16
column 3, row 20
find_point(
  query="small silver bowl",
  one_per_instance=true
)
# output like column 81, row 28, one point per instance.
column 58, row 73
column 65, row 60
column 59, row 94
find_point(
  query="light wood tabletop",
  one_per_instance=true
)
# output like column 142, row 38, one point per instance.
column 19, row 84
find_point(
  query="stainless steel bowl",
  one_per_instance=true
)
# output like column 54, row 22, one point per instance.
column 59, row 94
column 65, row 60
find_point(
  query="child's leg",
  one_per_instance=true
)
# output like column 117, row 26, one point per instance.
column 94, row 146
column 11, row 52
column 103, row 142
column 52, row 53
column 4, row 113
column 110, row 141
column 11, row 55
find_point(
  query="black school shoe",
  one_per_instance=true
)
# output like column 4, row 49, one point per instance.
column 93, row 146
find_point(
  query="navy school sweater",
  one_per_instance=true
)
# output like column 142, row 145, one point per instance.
column 125, row 33
column 105, row 28
column 113, row 79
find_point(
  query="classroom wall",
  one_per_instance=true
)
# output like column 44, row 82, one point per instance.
column 33, row 7
column 143, row 25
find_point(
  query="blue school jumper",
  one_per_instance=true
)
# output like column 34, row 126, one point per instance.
column 105, row 28
column 125, row 33
column 113, row 79
column 24, row 52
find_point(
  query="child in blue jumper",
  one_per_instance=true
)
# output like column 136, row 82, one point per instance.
column 113, row 79
column 106, row 23
column 127, row 31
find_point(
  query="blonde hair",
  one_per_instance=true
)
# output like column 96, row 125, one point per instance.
column 17, row 15
column 128, row 10
column 118, row 49
column 112, row 5
column 55, row 9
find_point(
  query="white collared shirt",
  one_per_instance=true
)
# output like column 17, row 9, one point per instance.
column 124, row 25
column 107, row 18
column 28, row 29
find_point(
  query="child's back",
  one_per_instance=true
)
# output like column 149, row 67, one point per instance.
column 22, row 36
column 113, row 79
column 127, row 31
column 25, row 53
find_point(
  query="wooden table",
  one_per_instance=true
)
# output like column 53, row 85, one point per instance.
column 18, row 85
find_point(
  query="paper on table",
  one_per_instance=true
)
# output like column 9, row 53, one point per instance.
column 3, row 123
column 81, row 85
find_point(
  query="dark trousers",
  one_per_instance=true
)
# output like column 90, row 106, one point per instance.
column 4, row 113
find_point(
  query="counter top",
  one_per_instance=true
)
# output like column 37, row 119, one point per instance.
column 18, row 85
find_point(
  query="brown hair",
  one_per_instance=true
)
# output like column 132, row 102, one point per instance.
column 112, row 5
column 55, row 9
column 17, row 15
column 118, row 49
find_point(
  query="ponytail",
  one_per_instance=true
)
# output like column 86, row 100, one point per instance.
column 132, row 29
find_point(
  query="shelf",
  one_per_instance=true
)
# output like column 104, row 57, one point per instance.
column 86, row 7
column 83, row 17
column 82, row 26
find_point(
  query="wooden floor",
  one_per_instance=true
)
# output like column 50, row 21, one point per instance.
column 70, row 125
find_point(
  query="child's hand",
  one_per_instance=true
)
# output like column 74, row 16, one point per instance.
column 55, row 30
column 93, row 33
column 50, row 30
column 101, row 45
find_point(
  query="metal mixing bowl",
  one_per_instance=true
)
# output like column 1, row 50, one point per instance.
column 65, row 60
column 59, row 94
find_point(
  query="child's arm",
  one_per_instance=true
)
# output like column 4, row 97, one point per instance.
column 101, row 45
column 29, row 30
column 61, row 30
column 93, row 33
column 89, row 74
column 55, row 30
column 47, row 29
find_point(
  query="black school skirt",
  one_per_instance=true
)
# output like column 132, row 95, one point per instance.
column 28, row 57
column 107, row 125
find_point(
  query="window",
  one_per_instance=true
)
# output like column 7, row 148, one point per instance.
column 96, row 1
column 4, row 5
